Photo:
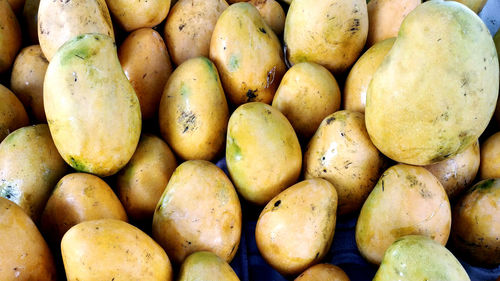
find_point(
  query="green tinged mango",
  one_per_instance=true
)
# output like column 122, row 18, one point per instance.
column 263, row 153
column 416, row 258
column 92, row 110
column 436, row 90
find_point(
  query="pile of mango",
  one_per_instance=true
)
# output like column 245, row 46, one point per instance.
column 113, row 114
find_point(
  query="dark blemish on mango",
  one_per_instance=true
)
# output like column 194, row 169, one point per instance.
column 317, row 255
column 347, row 163
column 412, row 180
column 76, row 164
column 181, row 26
column 425, row 193
column 277, row 203
column 270, row 77
column 8, row 191
column 261, row 29
column 483, row 185
column 187, row 120
column 355, row 26
column 251, row 95
column 383, row 186
column 330, row 120
column 324, row 171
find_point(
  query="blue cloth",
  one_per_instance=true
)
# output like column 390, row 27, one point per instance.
column 249, row 264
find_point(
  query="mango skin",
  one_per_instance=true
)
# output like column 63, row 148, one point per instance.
column 189, row 26
column 78, row 197
column 263, row 154
column 132, row 15
column 110, row 249
column 30, row 167
column 146, row 63
column 341, row 152
column 213, row 209
column 361, row 74
column 474, row 5
column 406, row 200
column 323, row 272
column 476, row 225
column 335, row 37
column 416, row 257
column 92, row 110
column 24, row 253
column 306, row 95
column 141, row 182
column 10, row 36
column 296, row 228
column 247, row 54
column 28, row 73
column 489, row 165
column 385, row 18
column 193, row 112
column 206, row 266
column 60, row 21
column 12, row 113
column 426, row 103
column 458, row 172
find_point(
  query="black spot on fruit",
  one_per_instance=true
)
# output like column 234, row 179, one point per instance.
column 330, row 120
column 277, row 203
column 262, row 30
column 251, row 95
column 181, row 26
column 187, row 120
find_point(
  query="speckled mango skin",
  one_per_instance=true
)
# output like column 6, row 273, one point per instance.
column 341, row 152
column 30, row 167
column 476, row 224
column 79, row 197
column 263, row 153
column 331, row 33
column 92, row 110
column 426, row 103
column 60, row 21
column 406, row 200
column 306, row 95
column 12, row 113
column 109, row 249
column 206, row 266
column 193, row 111
column 189, row 28
column 247, row 54
column 213, row 209
column 23, row 251
column 295, row 230
column 415, row 257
